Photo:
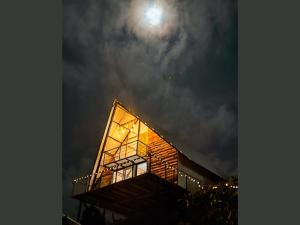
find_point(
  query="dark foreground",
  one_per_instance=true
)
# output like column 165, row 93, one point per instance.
column 213, row 206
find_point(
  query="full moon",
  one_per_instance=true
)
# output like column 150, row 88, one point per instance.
column 151, row 20
column 153, row 15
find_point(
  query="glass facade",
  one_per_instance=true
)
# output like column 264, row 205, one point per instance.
column 141, row 169
column 126, row 147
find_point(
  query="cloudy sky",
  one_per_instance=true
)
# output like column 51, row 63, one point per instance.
column 178, row 72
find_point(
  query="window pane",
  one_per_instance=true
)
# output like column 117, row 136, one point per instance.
column 111, row 143
column 119, row 175
column 122, row 116
column 128, row 173
column 141, row 168
column 114, row 177
column 131, row 149
column 143, row 133
column 142, row 149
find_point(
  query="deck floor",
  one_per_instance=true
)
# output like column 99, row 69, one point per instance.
column 134, row 195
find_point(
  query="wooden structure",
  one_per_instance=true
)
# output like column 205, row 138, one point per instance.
column 136, row 168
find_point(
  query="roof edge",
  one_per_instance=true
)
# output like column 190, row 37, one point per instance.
column 116, row 101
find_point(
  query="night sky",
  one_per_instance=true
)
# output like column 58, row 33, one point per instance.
column 180, row 77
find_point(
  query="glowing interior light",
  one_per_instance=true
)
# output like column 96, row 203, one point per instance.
column 153, row 15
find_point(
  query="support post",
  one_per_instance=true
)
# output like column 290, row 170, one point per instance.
column 186, row 182
column 88, row 184
column 149, row 162
column 79, row 211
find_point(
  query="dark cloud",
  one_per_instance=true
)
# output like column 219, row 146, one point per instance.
column 183, row 82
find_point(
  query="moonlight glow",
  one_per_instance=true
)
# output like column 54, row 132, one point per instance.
column 151, row 20
column 153, row 15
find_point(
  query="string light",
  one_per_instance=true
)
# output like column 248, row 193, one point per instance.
column 208, row 186
column 179, row 172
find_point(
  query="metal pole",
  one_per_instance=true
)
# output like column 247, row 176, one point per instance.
column 186, row 182
column 79, row 211
column 86, row 185
column 150, row 162
column 138, row 139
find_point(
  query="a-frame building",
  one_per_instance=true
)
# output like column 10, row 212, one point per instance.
column 137, row 169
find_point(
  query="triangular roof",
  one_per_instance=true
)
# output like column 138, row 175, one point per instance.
column 124, row 116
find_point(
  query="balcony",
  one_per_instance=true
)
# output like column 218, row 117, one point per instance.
column 134, row 195
column 128, row 154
